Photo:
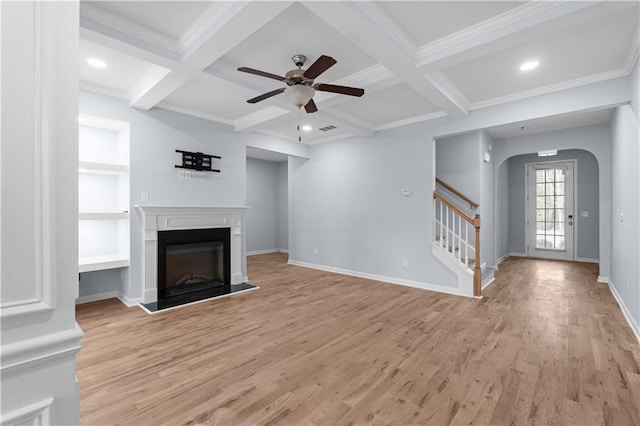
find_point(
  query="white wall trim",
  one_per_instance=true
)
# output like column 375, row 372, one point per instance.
column 635, row 328
column 502, row 259
column 267, row 251
column 381, row 278
column 604, row 280
column 98, row 296
column 27, row 353
column 488, row 283
column 516, row 254
column 34, row 414
column 586, row 260
column 165, row 218
column 129, row 302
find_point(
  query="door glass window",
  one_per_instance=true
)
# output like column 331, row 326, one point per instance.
column 550, row 202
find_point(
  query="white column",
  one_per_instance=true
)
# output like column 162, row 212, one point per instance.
column 39, row 205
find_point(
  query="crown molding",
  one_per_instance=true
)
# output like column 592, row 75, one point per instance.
column 194, row 113
column 101, row 90
column 582, row 81
column 502, row 25
column 212, row 17
column 412, row 120
column 90, row 11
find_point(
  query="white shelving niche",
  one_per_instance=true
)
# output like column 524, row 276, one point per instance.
column 103, row 193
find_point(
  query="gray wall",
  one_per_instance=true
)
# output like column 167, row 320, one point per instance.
column 267, row 221
column 460, row 163
column 282, row 238
column 346, row 201
column 154, row 137
column 625, row 233
column 502, row 201
column 486, row 210
column 457, row 163
column 586, row 183
column 262, row 196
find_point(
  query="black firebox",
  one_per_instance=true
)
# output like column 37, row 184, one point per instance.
column 193, row 264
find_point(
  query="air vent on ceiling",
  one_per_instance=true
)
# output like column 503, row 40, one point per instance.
column 327, row 128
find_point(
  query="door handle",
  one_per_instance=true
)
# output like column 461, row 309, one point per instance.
column 570, row 222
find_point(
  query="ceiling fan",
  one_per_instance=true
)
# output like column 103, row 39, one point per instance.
column 300, row 87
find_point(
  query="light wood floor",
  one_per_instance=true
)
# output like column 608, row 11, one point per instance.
column 546, row 345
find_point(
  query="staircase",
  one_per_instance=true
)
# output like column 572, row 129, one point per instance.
column 456, row 234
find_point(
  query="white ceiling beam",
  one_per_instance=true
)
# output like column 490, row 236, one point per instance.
column 364, row 25
column 226, row 30
column 532, row 14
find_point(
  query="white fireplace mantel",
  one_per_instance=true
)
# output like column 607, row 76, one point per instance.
column 169, row 218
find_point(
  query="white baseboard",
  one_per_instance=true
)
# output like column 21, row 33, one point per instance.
column 517, row 254
column 267, row 251
column 488, row 283
column 382, row 278
column 625, row 311
column 502, row 259
column 604, row 280
column 96, row 297
column 128, row 302
column 586, row 260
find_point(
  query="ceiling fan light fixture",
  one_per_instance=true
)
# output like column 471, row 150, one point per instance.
column 306, row 128
column 299, row 94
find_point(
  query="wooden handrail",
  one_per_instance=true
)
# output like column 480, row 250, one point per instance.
column 458, row 193
column 477, row 271
column 454, row 208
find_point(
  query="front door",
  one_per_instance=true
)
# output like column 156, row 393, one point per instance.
column 550, row 216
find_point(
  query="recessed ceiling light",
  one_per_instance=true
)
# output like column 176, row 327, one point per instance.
column 529, row 65
column 306, row 128
column 97, row 63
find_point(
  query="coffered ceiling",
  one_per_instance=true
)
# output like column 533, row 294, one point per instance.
column 416, row 60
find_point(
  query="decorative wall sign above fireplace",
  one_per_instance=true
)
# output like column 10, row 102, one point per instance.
column 197, row 161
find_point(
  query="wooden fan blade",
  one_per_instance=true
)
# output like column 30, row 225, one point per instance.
column 266, row 95
column 322, row 64
column 261, row 73
column 343, row 90
column 310, row 107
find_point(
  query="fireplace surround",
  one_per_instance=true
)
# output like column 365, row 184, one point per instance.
column 157, row 219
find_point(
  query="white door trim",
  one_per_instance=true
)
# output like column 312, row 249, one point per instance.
column 528, row 217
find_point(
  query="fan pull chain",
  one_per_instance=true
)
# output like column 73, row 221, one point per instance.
column 299, row 132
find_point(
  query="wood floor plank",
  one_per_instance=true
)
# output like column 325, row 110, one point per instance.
column 547, row 344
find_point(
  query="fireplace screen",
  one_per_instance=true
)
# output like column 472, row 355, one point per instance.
column 192, row 261
column 192, row 265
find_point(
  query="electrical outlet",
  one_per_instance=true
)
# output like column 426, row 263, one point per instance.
column 405, row 263
column 144, row 197
column 180, row 174
column 315, row 251
column 187, row 174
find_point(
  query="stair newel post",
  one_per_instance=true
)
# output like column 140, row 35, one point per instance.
column 477, row 277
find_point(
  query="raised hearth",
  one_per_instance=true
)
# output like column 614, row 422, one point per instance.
column 191, row 284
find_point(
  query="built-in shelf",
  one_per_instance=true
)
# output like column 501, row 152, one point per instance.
column 103, row 216
column 103, row 188
column 102, row 168
column 98, row 263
